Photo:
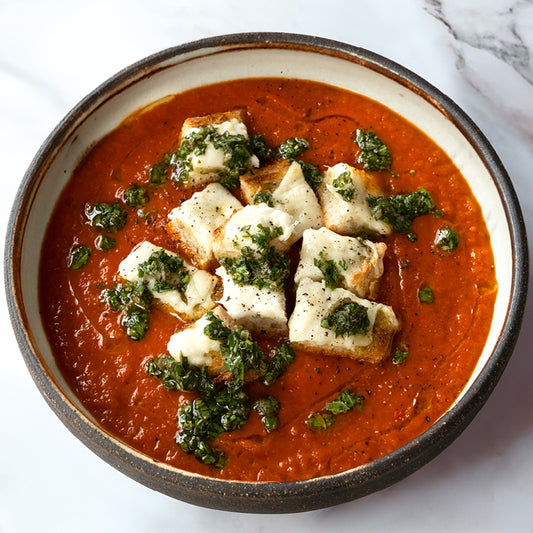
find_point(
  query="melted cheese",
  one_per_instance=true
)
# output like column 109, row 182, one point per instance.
column 256, row 309
column 234, row 235
column 207, row 166
column 193, row 344
column 314, row 302
column 363, row 260
column 295, row 196
column 197, row 298
column 348, row 217
column 196, row 219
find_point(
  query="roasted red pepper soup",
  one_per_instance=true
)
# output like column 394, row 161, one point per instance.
column 444, row 339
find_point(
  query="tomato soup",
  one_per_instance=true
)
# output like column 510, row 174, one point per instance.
column 444, row 339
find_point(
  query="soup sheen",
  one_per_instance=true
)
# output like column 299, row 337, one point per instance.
column 107, row 370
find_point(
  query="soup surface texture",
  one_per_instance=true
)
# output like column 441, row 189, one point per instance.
column 444, row 339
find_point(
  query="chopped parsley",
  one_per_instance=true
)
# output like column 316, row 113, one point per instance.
column 225, row 408
column 328, row 269
column 348, row 319
column 263, row 198
column 270, row 270
column 133, row 300
column 344, row 186
column 292, row 148
column 180, row 375
column 400, row 211
column 345, row 401
column 78, row 257
column 107, row 217
column 283, row 357
column 237, row 149
column 261, row 266
column 105, row 243
column 321, row 420
column 135, row 196
column 205, row 418
column 216, row 330
column 447, row 239
column 268, row 408
column 135, row 323
column 263, row 237
column 260, row 148
column 399, row 356
column 240, row 353
column 159, row 173
column 312, row 174
column 425, row 295
column 374, row 153
column 121, row 296
column 167, row 271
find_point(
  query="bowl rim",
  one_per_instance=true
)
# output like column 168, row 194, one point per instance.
column 291, row 496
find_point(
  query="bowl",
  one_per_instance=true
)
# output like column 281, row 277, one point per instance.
column 256, row 55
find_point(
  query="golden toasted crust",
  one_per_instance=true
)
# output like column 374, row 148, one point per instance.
column 219, row 247
column 385, row 327
column 182, row 234
column 368, row 181
column 367, row 278
column 348, row 218
column 214, row 118
column 216, row 367
column 264, row 179
column 193, row 223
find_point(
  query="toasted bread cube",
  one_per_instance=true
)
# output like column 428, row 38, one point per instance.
column 314, row 302
column 343, row 214
column 193, row 344
column 285, row 183
column 235, row 234
column 359, row 263
column 198, row 348
column 193, row 303
column 259, row 310
column 210, row 165
column 194, row 222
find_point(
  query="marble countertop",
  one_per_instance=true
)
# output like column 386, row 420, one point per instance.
column 477, row 52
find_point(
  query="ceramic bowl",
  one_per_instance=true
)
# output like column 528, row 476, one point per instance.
column 257, row 55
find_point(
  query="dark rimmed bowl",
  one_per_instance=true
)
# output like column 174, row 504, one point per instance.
column 255, row 55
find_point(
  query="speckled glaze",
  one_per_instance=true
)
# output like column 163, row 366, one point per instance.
column 255, row 55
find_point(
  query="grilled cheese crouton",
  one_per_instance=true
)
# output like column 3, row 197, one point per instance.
column 200, row 350
column 285, row 185
column 190, row 304
column 207, row 162
column 343, row 193
column 236, row 233
column 259, row 310
column 194, row 222
column 359, row 263
column 315, row 303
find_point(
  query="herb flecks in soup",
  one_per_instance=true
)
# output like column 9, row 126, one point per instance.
column 292, row 284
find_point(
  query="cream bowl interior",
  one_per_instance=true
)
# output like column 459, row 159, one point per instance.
column 245, row 56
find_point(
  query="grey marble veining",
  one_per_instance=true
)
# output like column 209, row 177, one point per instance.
column 495, row 26
column 493, row 46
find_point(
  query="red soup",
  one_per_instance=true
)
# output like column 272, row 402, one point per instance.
column 444, row 339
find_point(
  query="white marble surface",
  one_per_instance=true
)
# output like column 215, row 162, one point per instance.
column 478, row 52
